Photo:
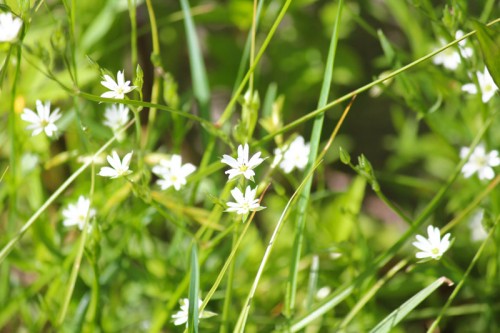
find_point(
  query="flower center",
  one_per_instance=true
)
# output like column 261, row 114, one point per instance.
column 435, row 251
column 243, row 167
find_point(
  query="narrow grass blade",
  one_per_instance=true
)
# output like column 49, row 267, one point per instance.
column 193, row 317
column 314, row 147
column 198, row 72
column 397, row 315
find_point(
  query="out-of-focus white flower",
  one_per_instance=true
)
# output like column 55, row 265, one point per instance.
column 117, row 88
column 76, row 214
column 9, row 27
column 244, row 203
column 118, row 168
column 242, row 165
column 450, row 58
column 476, row 226
column 486, row 85
column 323, row 292
column 29, row 162
column 173, row 173
column 294, row 156
column 43, row 120
column 480, row 162
column 181, row 316
column 432, row 247
column 116, row 116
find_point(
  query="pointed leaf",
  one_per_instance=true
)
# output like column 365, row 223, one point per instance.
column 490, row 49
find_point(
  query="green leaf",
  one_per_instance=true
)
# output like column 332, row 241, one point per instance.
column 490, row 49
column 397, row 315
column 194, row 282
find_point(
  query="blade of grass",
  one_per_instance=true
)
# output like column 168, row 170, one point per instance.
column 194, row 283
column 198, row 72
column 303, row 201
column 401, row 312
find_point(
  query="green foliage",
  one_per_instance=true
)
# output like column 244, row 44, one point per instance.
column 332, row 249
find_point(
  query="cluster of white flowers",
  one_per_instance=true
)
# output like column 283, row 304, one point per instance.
column 181, row 316
column 487, row 86
column 243, row 165
column 294, row 155
column 451, row 58
column 77, row 214
column 9, row 27
column 173, row 173
column 480, row 161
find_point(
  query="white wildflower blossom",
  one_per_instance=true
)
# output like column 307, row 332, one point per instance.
column 242, row 165
column 478, row 233
column 118, row 88
column 244, row 203
column 9, row 27
column 173, row 173
column 451, row 57
column 43, row 120
column 118, row 168
column 480, row 161
column 181, row 316
column 116, row 116
column 487, row 86
column 76, row 214
column 294, row 156
column 323, row 292
column 433, row 246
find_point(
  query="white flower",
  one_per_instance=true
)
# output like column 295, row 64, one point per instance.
column 173, row 173
column 116, row 116
column 43, row 120
column 323, row 292
column 9, row 27
column 486, row 85
column 244, row 204
column 181, row 316
column 296, row 155
column 76, row 214
column 432, row 247
column 480, row 162
column 476, row 226
column 242, row 165
column 118, row 168
column 118, row 88
column 450, row 57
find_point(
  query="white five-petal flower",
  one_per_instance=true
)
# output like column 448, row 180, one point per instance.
column 9, row 27
column 244, row 203
column 242, row 165
column 76, row 214
column 480, row 161
column 293, row 156
column 117, row 88
column 43, row 120
column 118, row 168
column 181, row 316
column 433, row 246
column 486, row 85
column 116, row 116
column 450, row 58
column 173, row 173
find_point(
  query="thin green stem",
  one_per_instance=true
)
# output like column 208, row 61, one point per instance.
column 79, row 256
column 364, row 88
column 252, row 47
column 227, row 308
